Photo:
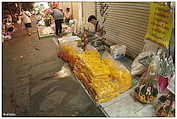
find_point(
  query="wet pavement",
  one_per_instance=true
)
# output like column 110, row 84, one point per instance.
column 27, row 61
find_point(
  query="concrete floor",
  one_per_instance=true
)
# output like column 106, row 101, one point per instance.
column 27, row 61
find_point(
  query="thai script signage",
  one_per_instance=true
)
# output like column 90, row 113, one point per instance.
column 160, row 24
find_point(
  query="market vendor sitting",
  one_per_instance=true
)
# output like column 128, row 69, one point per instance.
column 99, row 28
column 96, row 38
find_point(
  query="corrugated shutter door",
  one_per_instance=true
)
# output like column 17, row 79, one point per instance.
column 88, row 9
column 126, row 24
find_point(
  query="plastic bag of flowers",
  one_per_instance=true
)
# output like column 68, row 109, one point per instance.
column 165, row 72
column 165, row 107
column 147, row 91
column 138, row 68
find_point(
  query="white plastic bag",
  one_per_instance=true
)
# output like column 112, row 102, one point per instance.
column 64, row 72
column 138, row 68
column 117, row 50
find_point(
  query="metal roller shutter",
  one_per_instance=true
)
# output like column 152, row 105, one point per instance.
column 88, row 9
column 126, row 24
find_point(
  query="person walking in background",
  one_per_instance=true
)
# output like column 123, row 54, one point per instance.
column 58, row 17
column 26, row 16
column 68, row 15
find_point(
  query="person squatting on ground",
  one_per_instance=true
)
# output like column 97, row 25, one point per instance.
column 99, row 28
column 58, row 17
column 98, row 38
column 26, row 16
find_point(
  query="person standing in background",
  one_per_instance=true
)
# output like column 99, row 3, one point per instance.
column 68, row 15
column 26, row 16
column 58, row 17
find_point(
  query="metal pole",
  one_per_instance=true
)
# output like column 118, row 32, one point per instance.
column 96, row 9
column 72, row 9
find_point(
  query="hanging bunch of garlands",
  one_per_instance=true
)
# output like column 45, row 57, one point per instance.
column 156, row 78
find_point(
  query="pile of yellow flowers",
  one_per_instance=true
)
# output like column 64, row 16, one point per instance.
column 119, row 73
column 95, row 75
column 104, row 79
